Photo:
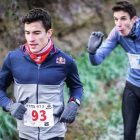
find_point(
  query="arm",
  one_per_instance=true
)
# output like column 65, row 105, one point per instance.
column 16, row 109
column 5, row 81
column 105, row 49
column 76, row 92
column 73, row 82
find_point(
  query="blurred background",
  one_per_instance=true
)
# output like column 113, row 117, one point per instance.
column 99, row 116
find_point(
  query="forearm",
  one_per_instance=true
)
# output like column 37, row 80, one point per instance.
column 77, row 93
column 95, row 59
column 4, row 100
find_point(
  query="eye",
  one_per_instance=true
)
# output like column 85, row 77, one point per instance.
column 37, row 33
column 27, row 33
column 123, row 18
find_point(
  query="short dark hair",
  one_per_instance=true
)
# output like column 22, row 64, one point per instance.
column 125, row 6
column 38, row 14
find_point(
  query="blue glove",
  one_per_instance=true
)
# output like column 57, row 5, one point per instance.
column 69, row 113
column 95, row 41
column 17, row 109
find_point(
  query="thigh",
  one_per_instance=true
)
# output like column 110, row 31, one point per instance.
column 130, row 107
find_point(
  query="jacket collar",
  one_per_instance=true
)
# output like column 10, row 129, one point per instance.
column 54, row 51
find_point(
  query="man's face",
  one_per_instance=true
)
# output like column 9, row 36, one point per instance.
column 36, row 36
column 123, row 22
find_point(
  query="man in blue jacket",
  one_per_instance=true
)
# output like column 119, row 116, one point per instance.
column 38, row 70
column 127, row 34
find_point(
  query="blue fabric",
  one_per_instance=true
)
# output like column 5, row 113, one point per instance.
column 135, row 29
column 130, row 46
column 19, row 67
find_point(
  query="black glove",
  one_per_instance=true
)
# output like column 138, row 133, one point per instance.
column 17, row 109
column 25, row 101
column 69, row 113
column 59, row 112
column 95, row 41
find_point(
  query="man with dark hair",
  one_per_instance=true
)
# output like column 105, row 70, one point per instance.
column 39, row 70
column 127, row 34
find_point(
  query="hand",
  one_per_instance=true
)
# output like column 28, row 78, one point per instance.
column 69, row 113
column 17, row 109
column 24, row 101
column 95, row 41
column 59, row 113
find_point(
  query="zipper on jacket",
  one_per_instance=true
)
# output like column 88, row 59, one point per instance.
column 37, row 84
column 38, row 133
column 37, row 95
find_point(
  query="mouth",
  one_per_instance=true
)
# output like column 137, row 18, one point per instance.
column 32, row 46
column 121, row 31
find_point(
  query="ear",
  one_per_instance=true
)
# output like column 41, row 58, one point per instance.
column 134, row 19
column 49, row 32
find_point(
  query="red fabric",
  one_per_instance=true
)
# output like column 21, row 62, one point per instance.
column 39, row 57
column 71, row 99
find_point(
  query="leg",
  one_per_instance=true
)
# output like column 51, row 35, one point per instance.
column 57, row 138
column 130, row 110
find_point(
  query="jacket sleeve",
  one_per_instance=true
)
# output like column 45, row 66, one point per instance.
column 105, row 49
column 5, row 81
column 73, row 82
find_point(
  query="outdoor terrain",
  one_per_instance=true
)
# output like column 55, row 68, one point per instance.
column 99, row 116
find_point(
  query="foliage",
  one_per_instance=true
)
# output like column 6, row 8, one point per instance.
column 7, row 127
column 99, row 116
column 100, row 113
column 112, row 69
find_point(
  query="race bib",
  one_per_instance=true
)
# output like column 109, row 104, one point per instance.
column 39, row 115
column 134, row 60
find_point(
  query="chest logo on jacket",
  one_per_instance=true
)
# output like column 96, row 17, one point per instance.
column 60, row 60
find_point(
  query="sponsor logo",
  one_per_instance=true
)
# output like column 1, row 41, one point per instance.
column 48, row 106
column 46, row 123
column 60, row 60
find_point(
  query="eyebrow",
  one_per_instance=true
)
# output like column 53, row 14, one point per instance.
column 120, row 17
column 33, row 31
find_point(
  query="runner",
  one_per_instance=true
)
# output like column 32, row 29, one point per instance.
column 127, row 34
column 39, row 70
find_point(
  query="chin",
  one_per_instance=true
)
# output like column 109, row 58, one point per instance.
column 124, row 34
column 33, row 51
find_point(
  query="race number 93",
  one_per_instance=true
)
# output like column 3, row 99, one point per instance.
column 41, row 113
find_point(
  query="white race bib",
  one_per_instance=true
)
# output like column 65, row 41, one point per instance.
column 39, row 115
column 134, row 60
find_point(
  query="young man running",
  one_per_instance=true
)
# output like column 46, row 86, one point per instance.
column 39, row 70
column 127, row 34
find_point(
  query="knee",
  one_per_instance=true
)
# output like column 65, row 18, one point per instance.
column 129, row 135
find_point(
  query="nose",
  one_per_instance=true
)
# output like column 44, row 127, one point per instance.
column 119, row 24
column 31, row 38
